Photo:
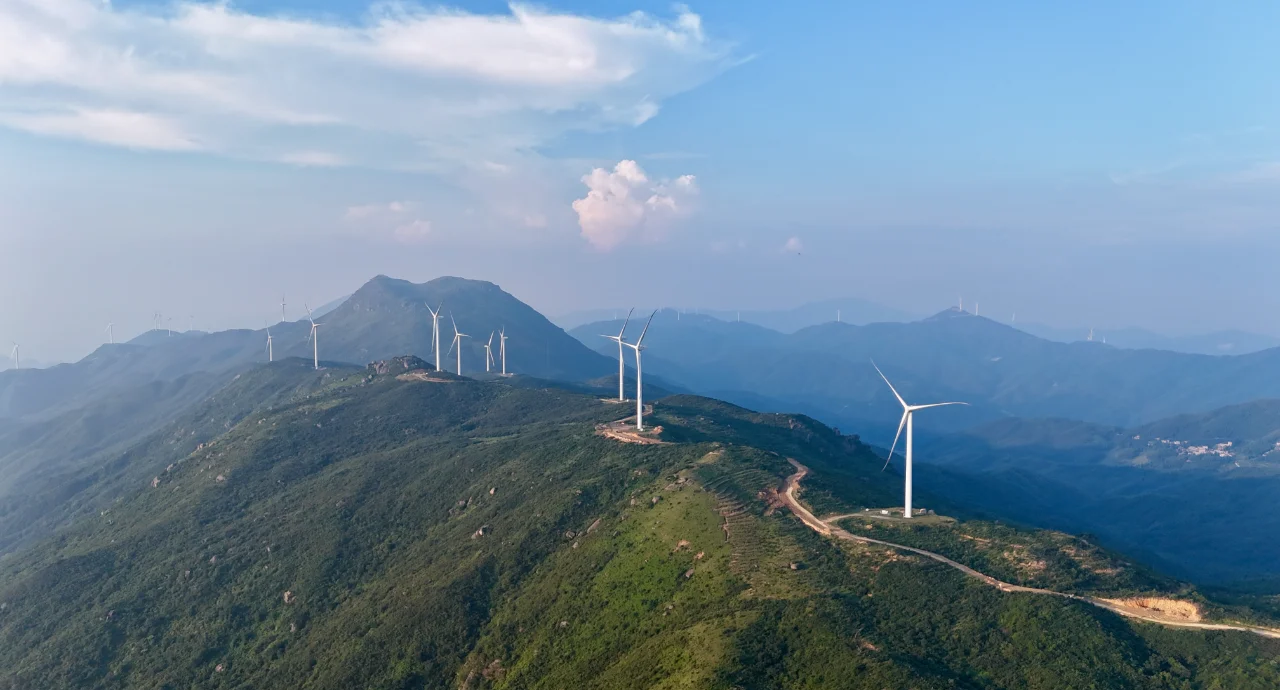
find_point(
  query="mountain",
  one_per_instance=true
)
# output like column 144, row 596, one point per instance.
column 1230, row 342
column 847, row 310
column 953, row 355
column 390, row 527
column 1192, row 493
column 386, row 317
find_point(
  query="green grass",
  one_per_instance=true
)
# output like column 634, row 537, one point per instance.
column 480, row 535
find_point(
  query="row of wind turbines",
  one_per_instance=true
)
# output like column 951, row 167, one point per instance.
column 621, row 340
column 908, row 410
column 490, row 360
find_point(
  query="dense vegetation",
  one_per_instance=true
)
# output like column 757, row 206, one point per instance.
column 362, row 530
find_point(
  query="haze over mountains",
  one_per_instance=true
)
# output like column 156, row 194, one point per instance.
column 826, row 370
column 277, row 507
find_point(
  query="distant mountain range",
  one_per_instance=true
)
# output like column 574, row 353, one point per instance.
column 827, row 371
column 1215, row 343
column 862, row 312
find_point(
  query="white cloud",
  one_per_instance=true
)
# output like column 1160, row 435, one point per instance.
column 404, row 86
column 625, row 204
column 395, row 220
column 793, row 246
column 413, row 232
column 315, row 159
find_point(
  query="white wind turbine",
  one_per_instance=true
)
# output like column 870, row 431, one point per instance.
column 639, row 380
column 14, row 356
column 111, row 336
column 908, row 414
column 435, row 331
column 314, row 338
column 283, row 318
column 502, row 347
column 488, row 353
column 457, row 342
column 270, row 354
column 620, row 340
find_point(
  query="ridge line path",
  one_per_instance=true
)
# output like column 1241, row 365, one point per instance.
column 827, row 529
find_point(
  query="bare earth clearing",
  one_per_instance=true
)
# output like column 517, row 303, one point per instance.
column 624, row 430
column 1170, row 612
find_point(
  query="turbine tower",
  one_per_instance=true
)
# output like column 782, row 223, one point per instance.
column 283, row 318
column 314, row 338
column 435, row 331
column 488, row 353
column 502, row 347
column 639, row 379
column 270, row 354
column 457, row 342
column 620, row 340
column 111, row 336
column 14, row 356
column 908, row 414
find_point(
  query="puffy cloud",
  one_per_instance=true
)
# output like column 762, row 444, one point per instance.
column 625, row 204
column 404, row 86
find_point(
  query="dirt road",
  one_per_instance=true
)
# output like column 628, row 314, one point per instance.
column 830, row 529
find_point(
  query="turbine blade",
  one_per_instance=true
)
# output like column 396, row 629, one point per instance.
column 646, row 327
column 925, row 407
column 886, row 380
column 625, row 322
column 901, row 423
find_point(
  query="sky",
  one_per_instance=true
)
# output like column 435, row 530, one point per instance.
column 1088, row 163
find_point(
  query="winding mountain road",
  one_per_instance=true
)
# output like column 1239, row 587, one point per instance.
column 829, row 529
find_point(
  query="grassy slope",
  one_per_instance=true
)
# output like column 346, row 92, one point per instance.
column 469, row 534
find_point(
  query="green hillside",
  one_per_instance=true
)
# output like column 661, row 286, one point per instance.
column 407, row 530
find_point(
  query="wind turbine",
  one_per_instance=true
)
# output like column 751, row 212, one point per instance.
column 314, row 337
column 14, row 356
column 156, row 316
column 908, row 414
column 270, row 354
column 169, row 325
column 488, row 353
column 111, row 337
column 620, row 340
column 502, row 346
column 639, row 381
column 283, row 318
column 457, row 342
column 435, row 331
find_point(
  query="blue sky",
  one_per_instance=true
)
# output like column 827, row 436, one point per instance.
column 1080, row 163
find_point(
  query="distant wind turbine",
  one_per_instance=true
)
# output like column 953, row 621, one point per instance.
column 502, row 347
column 908, row 414
column 111, row 337
column 621, row 340
column 156, row 316
column 168, row 322
column 457, row 342
column 639, row 379
column 17, row 363
column 283, row 318
column 313, row 337
column 270, row 355
column 488, row 353
column 435, row 331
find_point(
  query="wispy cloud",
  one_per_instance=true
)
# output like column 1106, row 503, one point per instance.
column 396, row 220
column 625, row 204
column 404, row 86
